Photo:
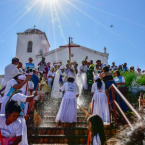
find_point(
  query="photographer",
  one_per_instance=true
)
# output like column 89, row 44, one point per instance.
column 29, row 65
column 42, row 65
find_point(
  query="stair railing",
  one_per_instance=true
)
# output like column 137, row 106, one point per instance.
column 113, row 88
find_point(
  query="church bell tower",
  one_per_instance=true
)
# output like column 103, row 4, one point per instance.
column 31, row 43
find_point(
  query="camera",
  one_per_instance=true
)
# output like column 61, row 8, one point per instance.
column 29, row 71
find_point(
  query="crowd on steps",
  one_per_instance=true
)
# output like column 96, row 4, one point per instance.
column 23, row 86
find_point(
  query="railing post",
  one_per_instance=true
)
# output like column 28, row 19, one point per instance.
column 127, row 102
column 139, row 103
column 114, row 106
column 109, row 104
column 89, row 132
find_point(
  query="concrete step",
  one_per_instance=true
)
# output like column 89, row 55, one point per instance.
column 45, row 114
column 64, row 131
column 56, row 110
column 52, row 118
column 53, row 144
column 53, row 124
column 57, row 131
column 61, row 139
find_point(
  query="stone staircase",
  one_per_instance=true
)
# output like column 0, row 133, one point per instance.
column 48, row 134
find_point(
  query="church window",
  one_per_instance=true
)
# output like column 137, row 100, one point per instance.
column 30, row 44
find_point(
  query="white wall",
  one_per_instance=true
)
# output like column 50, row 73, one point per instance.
column 79, row 56
column 22, row 44
column 59, row 56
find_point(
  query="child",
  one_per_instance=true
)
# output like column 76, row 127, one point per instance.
column 99, row 100
column 97, row 130
column 68, row 108
column 10, row 125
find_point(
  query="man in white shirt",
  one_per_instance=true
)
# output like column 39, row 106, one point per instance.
column 42, row 65
column 10, row 71
column 113, row 67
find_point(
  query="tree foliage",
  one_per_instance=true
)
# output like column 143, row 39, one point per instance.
column 129, row 77
column 141, row 81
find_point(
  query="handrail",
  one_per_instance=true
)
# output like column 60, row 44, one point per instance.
column 126, row 101
column 114, row 106
column 124, row 115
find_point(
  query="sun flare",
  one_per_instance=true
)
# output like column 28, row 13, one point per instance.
column 48, row 1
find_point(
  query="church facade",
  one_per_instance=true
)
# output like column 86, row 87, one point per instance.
column 34, row 43
column 31, row 43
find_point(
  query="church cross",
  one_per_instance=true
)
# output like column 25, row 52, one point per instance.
column 71, row 39
column 69, row 46
column 34, row 26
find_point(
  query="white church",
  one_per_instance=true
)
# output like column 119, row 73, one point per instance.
column 34, row 43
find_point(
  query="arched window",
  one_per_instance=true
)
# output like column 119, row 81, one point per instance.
column 30, row 44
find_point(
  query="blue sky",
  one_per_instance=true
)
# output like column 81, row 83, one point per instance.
column 87, row 21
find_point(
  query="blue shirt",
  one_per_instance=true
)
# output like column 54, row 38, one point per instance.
column 35, row 80
column 30, row 65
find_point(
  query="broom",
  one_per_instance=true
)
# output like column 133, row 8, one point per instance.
column 36, row 117
column 86, row 113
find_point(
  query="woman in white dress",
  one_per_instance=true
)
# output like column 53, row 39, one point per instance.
column 50, row 76
column 58, row 82
column 99, row 100
column 68, row 109
column 96, row 128
column 83, row 75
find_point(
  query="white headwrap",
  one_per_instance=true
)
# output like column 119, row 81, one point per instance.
column 52, row 67
column 22, row 77
column 62, row 67
column 72, row 67
column 58, row 64
column 96, row 77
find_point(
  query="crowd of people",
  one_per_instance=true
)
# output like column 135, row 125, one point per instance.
column 20, row 87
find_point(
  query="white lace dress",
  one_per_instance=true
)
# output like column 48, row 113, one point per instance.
column 100, row 102
column 56, row 86
column 68, row 109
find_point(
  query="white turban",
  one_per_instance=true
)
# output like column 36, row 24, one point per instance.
column 22, row 77
column 62, row 67
column 96, row 77
column 52, row 67
column 72, row 67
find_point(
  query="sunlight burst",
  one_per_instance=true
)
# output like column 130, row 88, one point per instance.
column 48, row 1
